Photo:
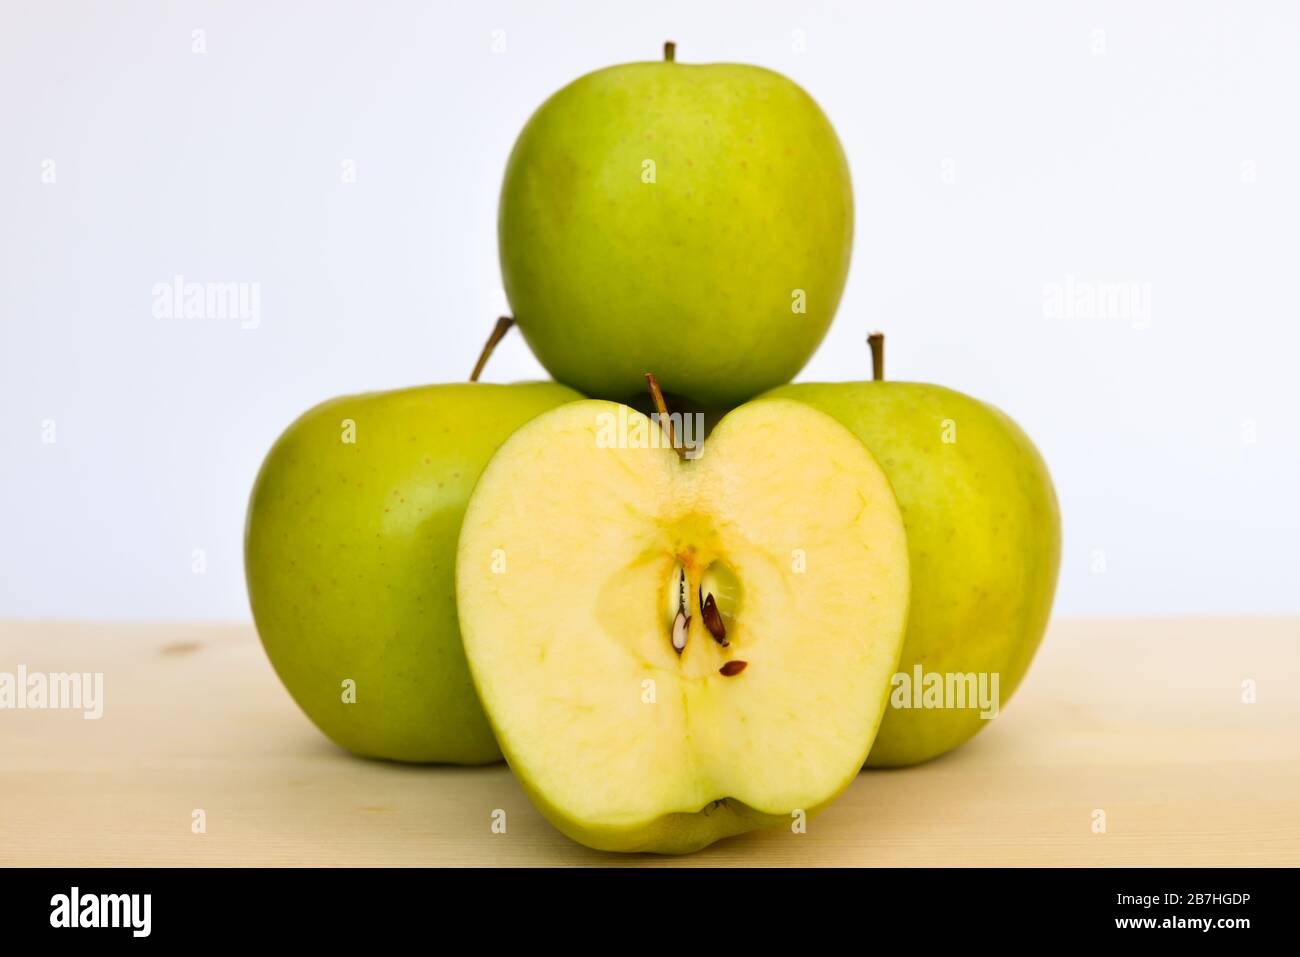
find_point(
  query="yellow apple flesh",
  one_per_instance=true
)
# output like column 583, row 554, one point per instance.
column 570, row 570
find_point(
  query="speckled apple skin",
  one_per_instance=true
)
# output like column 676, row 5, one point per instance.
column 984, row 543
column 694, row 221
column 350, row 552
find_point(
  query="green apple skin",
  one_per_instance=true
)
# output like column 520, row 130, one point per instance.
column 984, row 542
column 350, row 553
column 672, row 834
column 696, row 275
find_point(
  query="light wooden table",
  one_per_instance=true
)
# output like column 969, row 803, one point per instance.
column 1143, row 720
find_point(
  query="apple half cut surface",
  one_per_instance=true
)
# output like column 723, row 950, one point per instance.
column 674, row 651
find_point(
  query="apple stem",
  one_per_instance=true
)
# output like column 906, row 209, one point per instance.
column 665, row 420
column 670, row 51
column 877, row 342
column 498, row 333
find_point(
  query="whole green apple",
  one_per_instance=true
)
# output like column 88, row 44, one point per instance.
column 984, row 543
column 695, row 220
column 350, row 554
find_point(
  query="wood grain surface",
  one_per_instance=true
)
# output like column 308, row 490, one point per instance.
column 1143, row 720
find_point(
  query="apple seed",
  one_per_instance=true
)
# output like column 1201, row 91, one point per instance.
column 679, row 631
column 733, row 667
column 713, row 620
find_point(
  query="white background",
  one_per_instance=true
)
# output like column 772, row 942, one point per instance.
column 996, row 149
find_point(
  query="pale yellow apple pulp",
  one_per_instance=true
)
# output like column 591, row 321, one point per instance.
column 566, row 558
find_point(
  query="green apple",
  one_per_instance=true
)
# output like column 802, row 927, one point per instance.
column 676, row 650
column 984, row 541
column 692, row 219
column 350, row 551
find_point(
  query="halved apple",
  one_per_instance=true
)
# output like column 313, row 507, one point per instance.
column 673, row 651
